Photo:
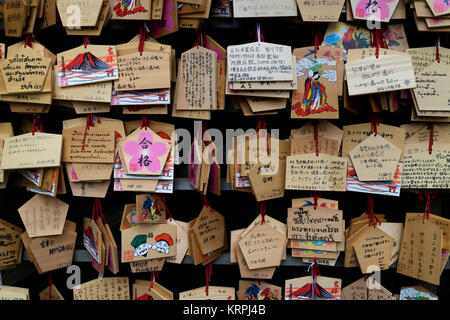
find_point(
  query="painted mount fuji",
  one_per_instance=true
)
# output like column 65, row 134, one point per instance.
column 86, row 61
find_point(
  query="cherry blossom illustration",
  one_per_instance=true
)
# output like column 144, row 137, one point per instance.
column 145, row 153
column 377, row 8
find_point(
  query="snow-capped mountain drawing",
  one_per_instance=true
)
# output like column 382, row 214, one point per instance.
column 86, row 61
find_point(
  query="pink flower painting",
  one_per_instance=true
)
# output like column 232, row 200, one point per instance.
column 377, row 8
column 145, row 153
column 441, row 6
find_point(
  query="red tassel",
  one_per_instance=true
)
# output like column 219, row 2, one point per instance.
column 373, row 219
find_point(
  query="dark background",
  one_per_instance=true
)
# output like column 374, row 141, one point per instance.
column 238, row 208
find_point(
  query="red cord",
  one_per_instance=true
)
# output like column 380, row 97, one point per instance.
column 28, row 40
column 89, row 123
column 201, row 35
column 144, row 122
column 315, row 272
column 85, row 41
column 262, row 211
column 154, row 275
column 373, row 219
column 316, row 196
column 377, row 40
column 208, row 273
column 316, row 138
column 438, row 56
column 34, row 124
column 206, row 203
column 318, row 37
column 428, row 195
column 374, row 122
column 143, row 36
column 430, row 146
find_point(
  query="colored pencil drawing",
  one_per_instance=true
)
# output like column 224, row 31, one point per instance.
column 162, row 244
column 90, row 243
column 346, row 36
column 312, row 291
column 396, row 38
column 144, row 97
column 85, row 68
column 254, row 292
column 314, row 99
column 127, row 7
column 389, row 188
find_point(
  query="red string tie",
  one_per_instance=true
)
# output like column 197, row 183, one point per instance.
column 262, row 211
column 316, row 138
column 428, row 195
column 85, row 41
column 315, row 272
column 89, row 123
column 208, row 273
column 316, row 196
column 318, row 37
column 144, row 122
column 373, row 219
column 206, row 203
column 430, row 146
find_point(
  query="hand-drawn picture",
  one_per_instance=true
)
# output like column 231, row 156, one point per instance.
column 79, row 66
column 311, row 291
column 254, row 292
column 220, row 8
column 441, row 6
column 388, row 188
column 127, row 7
column 395, row 37
column 90, row 243
column 378, row 10
column 151, row 209
column 142, row 97
column 145, row 153
column 141, row 247
column 416, row 293
column 314, row 96
column 346, row 36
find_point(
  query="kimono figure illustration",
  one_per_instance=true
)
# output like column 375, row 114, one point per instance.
column 126, row 7
column 131, row 4
column 314, row 98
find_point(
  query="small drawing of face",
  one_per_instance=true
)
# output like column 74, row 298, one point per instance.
column 162, row 247
column 142, row 250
